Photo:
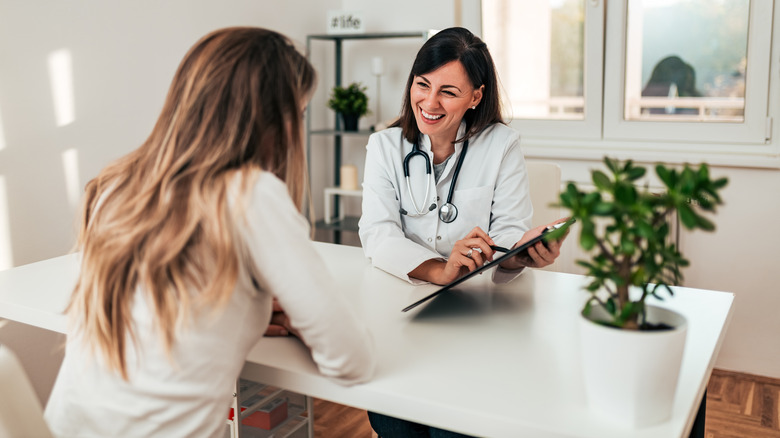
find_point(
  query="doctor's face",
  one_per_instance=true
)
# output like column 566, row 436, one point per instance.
column 439, row 100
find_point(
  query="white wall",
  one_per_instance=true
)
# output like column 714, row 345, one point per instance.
column 125, row 53
column 741, row 256
column 123, row 56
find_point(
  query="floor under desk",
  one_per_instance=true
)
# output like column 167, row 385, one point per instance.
column 739, row 405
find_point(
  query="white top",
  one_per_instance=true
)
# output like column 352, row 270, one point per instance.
column 191, row 395
column 492, row 192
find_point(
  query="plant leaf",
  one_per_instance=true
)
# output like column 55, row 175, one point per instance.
column 664, row 174
column 610, row 306
column 601, row 180
column 687, row 216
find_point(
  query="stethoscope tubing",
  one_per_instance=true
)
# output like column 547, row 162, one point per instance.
column 445, row 217
column 416, row 151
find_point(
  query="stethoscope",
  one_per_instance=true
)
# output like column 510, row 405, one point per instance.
column 448, row 211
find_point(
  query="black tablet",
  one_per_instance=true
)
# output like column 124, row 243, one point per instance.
column 486, row 266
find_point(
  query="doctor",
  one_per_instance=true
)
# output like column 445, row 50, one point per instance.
column 447, row 180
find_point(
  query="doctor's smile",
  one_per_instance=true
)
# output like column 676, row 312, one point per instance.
column 431, row 117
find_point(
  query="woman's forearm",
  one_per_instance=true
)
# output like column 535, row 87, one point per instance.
column 429, row 270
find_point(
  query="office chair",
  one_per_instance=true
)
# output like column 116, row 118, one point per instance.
column 545, row 185
column 20, row 410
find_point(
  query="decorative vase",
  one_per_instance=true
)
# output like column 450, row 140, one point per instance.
column 630, row 376
column 350, row 121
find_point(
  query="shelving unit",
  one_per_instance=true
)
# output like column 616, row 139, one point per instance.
column 250, row 396
column 337, row 221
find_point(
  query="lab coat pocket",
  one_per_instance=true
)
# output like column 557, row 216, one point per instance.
column 474, row 205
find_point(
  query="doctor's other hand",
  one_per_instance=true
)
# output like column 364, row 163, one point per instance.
column 467, row 255
column 541, row 254
column 280, row 323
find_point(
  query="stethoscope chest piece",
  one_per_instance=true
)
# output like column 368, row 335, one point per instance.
column 448, row 212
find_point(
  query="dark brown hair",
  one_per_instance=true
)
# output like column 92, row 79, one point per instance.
column 456, row 44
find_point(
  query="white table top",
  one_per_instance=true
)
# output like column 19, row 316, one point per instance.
column 487, row 360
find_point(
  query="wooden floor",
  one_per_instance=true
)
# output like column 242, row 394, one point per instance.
column 738, row 406
column 332, row 420
column 742, row 406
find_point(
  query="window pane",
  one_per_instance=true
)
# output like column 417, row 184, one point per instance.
column 538, row 48
column 685, row 60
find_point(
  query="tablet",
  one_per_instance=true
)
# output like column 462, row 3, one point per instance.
column 487, row 266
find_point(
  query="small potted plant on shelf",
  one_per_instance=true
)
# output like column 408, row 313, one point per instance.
column 350, row 102
column 627, row 230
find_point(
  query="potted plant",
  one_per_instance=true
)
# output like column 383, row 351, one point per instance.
column 350, row 102
column 627, row 230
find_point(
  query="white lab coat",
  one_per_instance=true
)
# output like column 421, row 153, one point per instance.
column 492, row 192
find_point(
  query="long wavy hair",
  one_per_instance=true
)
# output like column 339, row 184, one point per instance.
column 158, row 219
column 456, row 44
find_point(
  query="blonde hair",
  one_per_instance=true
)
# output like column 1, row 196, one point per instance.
column 157, row 219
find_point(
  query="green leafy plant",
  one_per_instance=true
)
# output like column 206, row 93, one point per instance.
column 627, row 231
column 349, row 100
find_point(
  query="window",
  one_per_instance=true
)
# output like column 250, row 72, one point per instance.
column 549, row 71
column 685, row 60
column 691, row 75
column 552, row 88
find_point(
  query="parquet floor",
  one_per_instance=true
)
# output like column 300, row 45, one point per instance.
column 332, row 420
column 742, row 406
column 738, row 406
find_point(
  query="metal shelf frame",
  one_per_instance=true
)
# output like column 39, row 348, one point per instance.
column 337, row 132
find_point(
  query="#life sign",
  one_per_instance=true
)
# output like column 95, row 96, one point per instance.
column 345, row 22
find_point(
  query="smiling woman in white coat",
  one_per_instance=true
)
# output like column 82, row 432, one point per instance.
column 446, row 184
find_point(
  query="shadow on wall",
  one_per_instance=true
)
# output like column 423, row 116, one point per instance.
column 40, row 351
column 6, row 260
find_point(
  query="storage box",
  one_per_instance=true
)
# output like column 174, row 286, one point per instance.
column 230, row 414
column 269, row 415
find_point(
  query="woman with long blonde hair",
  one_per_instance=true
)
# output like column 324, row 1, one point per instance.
column 186, row 242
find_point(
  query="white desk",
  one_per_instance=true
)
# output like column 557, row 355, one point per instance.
column 489, row 360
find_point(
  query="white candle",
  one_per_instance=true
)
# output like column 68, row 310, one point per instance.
column 349, row 177
column 377, row 66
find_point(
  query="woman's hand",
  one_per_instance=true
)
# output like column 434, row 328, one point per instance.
column 280, row 323
column 467, row 255
column 541, row 254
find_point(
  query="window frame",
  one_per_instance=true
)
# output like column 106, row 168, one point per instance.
column 590, row 126
column 752, row 131
column 579, row 140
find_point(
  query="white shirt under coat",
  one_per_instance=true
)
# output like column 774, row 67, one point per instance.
column 492, row 192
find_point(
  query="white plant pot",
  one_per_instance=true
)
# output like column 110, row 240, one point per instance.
column 630, row 376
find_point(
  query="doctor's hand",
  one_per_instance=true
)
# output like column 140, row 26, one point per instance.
column 541, row 254
column 467, row 255
column 280, row 323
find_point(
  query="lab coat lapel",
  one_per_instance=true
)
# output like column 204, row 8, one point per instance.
column 446, row 176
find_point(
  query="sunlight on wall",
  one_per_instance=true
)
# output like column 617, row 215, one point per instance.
column 70, row 164
column 6, row 261
column 61, row 79
column 2, row 133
